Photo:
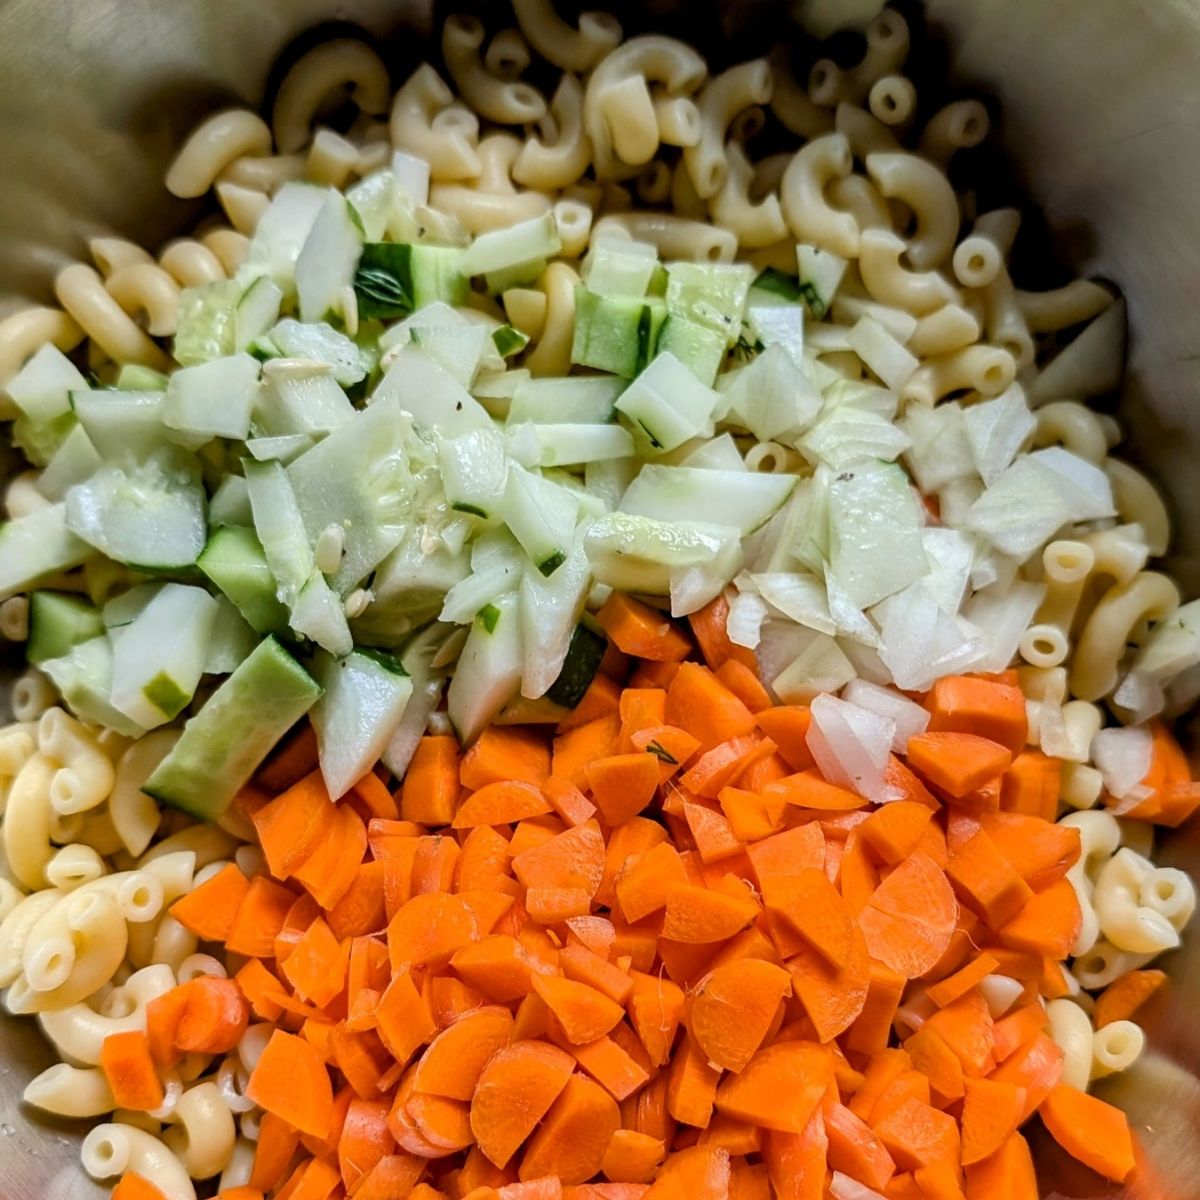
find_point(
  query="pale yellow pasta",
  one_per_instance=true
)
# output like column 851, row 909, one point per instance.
column 212, row 146
column 1124, row 920
column 111, row 254
column 654, row 57
column 1139, row 502
column 164, row 941
column 1060, row 308
column 674, row 237
column 525, row 309
column 10, row 896
column 191, row 263
column 678, row 121
column 373, row 156
column 552, row 355
column 504, row 101
column 1000, row 993
column 943, row 331
column 206, row 842
column 887, row 48
column 985, row 369
column 1044, row 683
column 144, row 288
column 890, row 282
column 1069, row 424
column 450, row 151
column 265, row 172
column 251, row 860
column 627, row 110
column 558, row 43
column 1118, row 615
column 1004, row 322
column 960, row 125
column 95, row 829
column 330, row 68
column 73, row 866
column 1116, row 1047
column 559, row 153
column 791, row 103
column 892, row 100
column 573, row 220
column 826, row 83
column 249, row 1124
column 22, row 496
column 684, row 201
column 1118, row 553
column 1071, row 1029
column 1081, row 785
column 68, row 1091
column 85, row 775
column 770, row 458
column 202, row 1133
column 110, row 1150
column 858, row 196
column 507, row 55
column 1099, row 837
column 1044, row 645
column 239, row 1169
column 654, row 183
column 1170, row 893
column 232, row 1078
column 865, row 134
column 243, row 206
column 754, row 223
column 230, row 248
column 134, row 814
column 26, row 827
column 482, row 212
column 80, row 290
column 1137, row 835
column 802, row 192
column 331, row 161
column 977, row 260
column 16, row 928
column 720, row 100
column 78, row 1032
column 14, row 618
column 23, row 334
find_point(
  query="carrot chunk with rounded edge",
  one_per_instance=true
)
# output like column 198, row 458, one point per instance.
column 402, row 1018
column 293, row 825
column 365, row 1139
column 873, row 1026
column 1123, row 997
column 796, row 1162
column 809, row 789
column 329, row 871
column 986, row 881
column 429, row 794
column 691, row 1084
column 787, row 853
column 452, row 1064
column 430, row 928
column 516, row 1088
column 719, row 766
column 573, row 751
column 394, row 1175
column 1007, row 1173
column 504, row 753
column 731, row 1010
column 1040, row 851
column 695, row 1173
column 129, row 1069
column 1048, row 924
column 1088, row 1129
column 1031, row 786
column 967, row 704
column 499, row 966
column 709, row 627
column 572, row 1140
column 316, row 967
column 780, row 1087
column 641, row 631
column 132, row 1186
column 855, row 1150
column 210, row 910
column 700, row 703
column 643, row 883
column 938, row 1063
column 712, row 833
column 1036, row 1067
column 895, row 830
column 910, row 917
column 583, row 1013
column 623, row 784
column 584, row 966
column 214, row 1017
column 744, row 683
column 608, row 1063
column 991, row 1113
column 573, row 859
column 918, row 1135
column 814, row 909
column 962, row 981
column 958, row 763
column 291, row 1081
column 787, row 726
column 568, row 801
column 832, row 996
column 501, row 803
column 752, row 816
column 699, row 914
column 632, row 1157
column 655, row 1010
column 260, row 917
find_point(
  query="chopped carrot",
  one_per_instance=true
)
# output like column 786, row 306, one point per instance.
column 871, row 1028
column 365, row 1139
column 632, row 1157
column 574, row 750
column 787, row 726
column 809, row 789
column 698, row 914
column 641, row 631
column 918, row 1135
column 965, row 1025
column 609, row 1064
column 910, row 917
column 832, row 995
column 291, row 1081
column 1122, row 999
column 292, row 826
column 501, row 803
column 744, row 683
column 640, row 708
column 329, row 871
column 712, row 834
column 894, row 831
column 992, row 1110
column 163, row 1014
column 719, row 766
column 1036, row 1067
column 968, row 704
column 362, row 910
column 503, row 753
column 958, row 763
column 568, row 801
column 1007, row 1173
column 1048, row 924
column 601, row 699
column 623, row 784
column 691, row 1085
column 796, row 1162
column 575, row 1135
column 372, row 799
column 1031, row 785
column 710, row 629
column 855, row 1150
column 1040, row 851
column 316, row 968
column 260, row 917
column 210, row 910
column 129, row 1068
column 1095, row 1133
column 949, row 989
column 429, row 794
column 986, row 881
column 938, row 1063
column 732, row 1008
column 132, row 1186
column 583, row 1013
column 1017, row 1029
column 700, row 703
column 672, row 746
column 214, row 1017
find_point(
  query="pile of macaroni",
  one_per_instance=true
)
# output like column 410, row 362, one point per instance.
column 963, row 377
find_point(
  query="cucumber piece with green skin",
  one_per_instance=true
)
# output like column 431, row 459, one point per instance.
column 617, row 334
column 489, row 668
column 639, row 554
column 234, row 560
column 119, row 613
column 577, row 400
column 366, row 693
column 525, row 242
column 83, row 676
column 213, row 399
column 317, row 613
column 38, row 544
column 550, row 608
column 700, row 348
column 231, row 641
column 160, row 656
column 257, row 311
column 207, row 322
column 711, row 294
column 474, row 471
column 230, row 503
column 147, row 514
column 541, row 516
column 616, row 267
column 279, row 527
column 38, row 440
column 58, row 621
column 328, row 259
column 224, row 743
column 73, row 462
column 579, row 668
column 394, row 279
column 133, row 377
column 509, row 340
column 668, row 404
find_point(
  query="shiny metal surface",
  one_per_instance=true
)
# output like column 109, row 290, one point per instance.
column 1101, row 113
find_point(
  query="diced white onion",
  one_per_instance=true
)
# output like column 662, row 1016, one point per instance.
column 908, row 717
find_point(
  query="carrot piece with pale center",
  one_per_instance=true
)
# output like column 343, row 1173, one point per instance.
column 699, row 914
column 210, row 910
column 516, row 1088
column 609, row 1062
column 958, row 763
column 779, row 1088
column 910, row 917
column 1088, row 1129
column 583, row 1013
column 572, row 1140
column 968, row 704
column 452, row 1064
column 731, row 1010
column 291, row 1081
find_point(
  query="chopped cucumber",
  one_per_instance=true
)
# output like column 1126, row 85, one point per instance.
column 474, row 470
column 300, row 396
column 58, row 621
column 232, row 640
column 224, row 743
column 668, row 404
column 638, row 554
column 549, row 610
column 358, row 477
column 745, row 499
column 395, row 279
column 279, row 526
column 35, row 545
column 42, row 388
column 617, row 334
column 230, row 503
column 541, row 516
column 566, row 445
column 777, row 284
column 326, row 264
column 214, row 399
column 282, row 232
column 283, row 449
column 484, row 584
column 509, row 340
column 257, row 311
column 417, row 657
column 317, row 613
column 488, row 670
column 207, row 324
column 456, row 344
column 417, row 574
column 159, row 658
column 73, row 462
column 617, row 267
column 149, row 514
column 821, row 274
column 711, row 294
column 373, row 199
column 579, row 668
column 39, row 441
column 423, row 387
column 234, row 560
column 607, row 480
column 579, row 400
column 120, row 424
column 519, row 711
column 503, row 249
column 84, row 678
column 133, row 377
column 700, row 348
column 123, row 609
column 875, row 544
column 324, row 344
column 365, row 696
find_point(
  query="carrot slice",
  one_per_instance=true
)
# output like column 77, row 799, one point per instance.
column 700, row 703
column 833, row 996
column 429, row 794
column 1122, row 999
column 910, row 917
column 694, row 1173
column 293, row 825
column 214, row 1018
column 504, row 753
column 787, row 726
column 968, row 704
column 779, row 1088
column 210, row 910
column 260, row 917
column 623, row 784
column 1007, row 1173
column 809, row 789
column 855, row 1150
column 796, row 1162
column 732, row 1008
column 329, row 871
column 572, row 1140
column 918, row 1135
column 895, row 831
column 1095, row 1133
column 1048, row 924
column 958, row 763
column 365, row 1139
column 403, row 1018
column 632, row 1156
column 1031, row 786
column 516, row 1088
column 128, row 1067
column 573, row 859
column 1040, row 851
column 451, row 1065
column 291, row 1081
column 986, row 881
column 132, row 1186
column 609, row 1064
column 991, row 1112
column 641, row 631
column 573, row 751
column 812, row 906
column 699, row 914
column 583, row 1013
column 710, row 629
column 501, row 803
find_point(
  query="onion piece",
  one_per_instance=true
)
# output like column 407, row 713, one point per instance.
column 851, row 746
column 1122, row 756
column 908, row 717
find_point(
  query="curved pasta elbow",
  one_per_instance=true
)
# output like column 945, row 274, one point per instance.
column 213, row 146
column 504, row 101
column 807, row 211
column 924, row 188
column 723, row 97
column 112, row 1150
column 450, row 152
column 202, row 1135
column 68, row 1091
column 1124, row 921
column 561, row 154
column 889, row 282
column 1071, row 1029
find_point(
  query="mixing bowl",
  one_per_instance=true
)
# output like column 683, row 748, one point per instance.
column 1100, row 104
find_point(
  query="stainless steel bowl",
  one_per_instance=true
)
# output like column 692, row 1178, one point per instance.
column 1101, row 113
